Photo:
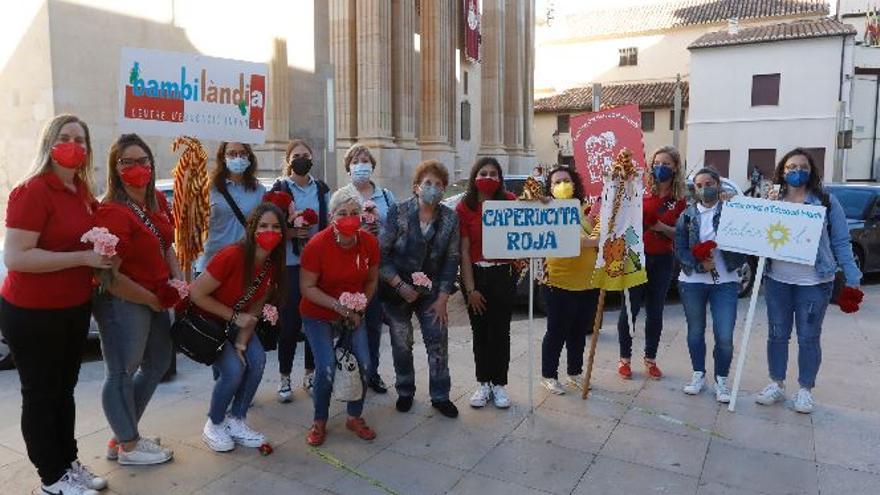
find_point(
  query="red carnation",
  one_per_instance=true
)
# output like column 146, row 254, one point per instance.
column 849, row 299
column 703, row 250
column 266, row 449
column 309, row 216
column 280, row 199
column 168, row 296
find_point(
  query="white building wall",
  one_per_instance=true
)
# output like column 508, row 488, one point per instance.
column 721, row 115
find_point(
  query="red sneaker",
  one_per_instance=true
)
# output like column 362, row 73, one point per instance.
column 652, row 370
column 624, row 370
column 317, row 433
column 360, row 428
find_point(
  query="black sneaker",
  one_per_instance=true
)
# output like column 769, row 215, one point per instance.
column 378, row 385
column 446, row 408
column 404, row 404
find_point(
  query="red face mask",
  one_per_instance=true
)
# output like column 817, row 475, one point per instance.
column 69, row 154
column 487, row 185
column 136, row 175
column 268, row 239
column 348, row 226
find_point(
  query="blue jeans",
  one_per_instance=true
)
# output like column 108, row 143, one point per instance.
column 570, row 317
column 236, row 382
column 722, row 301
column 436, row 338
column 320, row 335
column 652, row 295
column 374, row 334
column 805, row 305
column 136, row 343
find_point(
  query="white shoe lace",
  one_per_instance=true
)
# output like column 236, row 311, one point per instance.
column 770, row 391
column 147, row 445
column 499, row 393
column 696, row 381
column 804, row 398
column 241, row 429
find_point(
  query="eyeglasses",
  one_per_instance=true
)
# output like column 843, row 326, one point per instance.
column 237, row 154
column 128, row 162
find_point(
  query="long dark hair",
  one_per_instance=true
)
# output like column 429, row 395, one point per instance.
column 278, row 289
column 814, row 184
column 221, row 173
column 115, row 188
column 472, row 196
column 575, row 179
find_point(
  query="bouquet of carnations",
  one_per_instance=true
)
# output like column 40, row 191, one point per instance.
column 703, row 252
column 849, row 299
column 355, row 302
column 172, row 294
column 371, row 213
column 305, row 218
column 422, row 283
column 270, row 314
column 280, row 199
column 102, row 241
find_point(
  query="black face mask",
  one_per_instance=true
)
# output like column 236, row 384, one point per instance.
column 301, row 166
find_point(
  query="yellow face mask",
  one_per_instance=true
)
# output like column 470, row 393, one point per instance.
column 563, row 190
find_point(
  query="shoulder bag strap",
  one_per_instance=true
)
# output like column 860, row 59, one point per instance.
column 235, row 209
column 148, row 223
column 255, row 285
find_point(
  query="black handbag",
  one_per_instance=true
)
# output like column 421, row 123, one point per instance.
column 202, row 339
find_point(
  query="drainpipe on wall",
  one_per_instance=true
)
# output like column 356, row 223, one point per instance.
column 676, row 112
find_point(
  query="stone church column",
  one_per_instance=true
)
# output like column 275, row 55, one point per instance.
column 373, row 27
column 514, row 83
column 492, row 80
column 437, row 60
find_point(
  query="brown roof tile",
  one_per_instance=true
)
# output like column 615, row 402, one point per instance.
column 797, row 30
column 646, row 95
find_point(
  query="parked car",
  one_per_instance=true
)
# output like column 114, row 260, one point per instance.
column 861, row 204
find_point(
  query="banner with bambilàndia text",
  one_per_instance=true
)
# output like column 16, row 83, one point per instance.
column 531, row 229
column 173, row 94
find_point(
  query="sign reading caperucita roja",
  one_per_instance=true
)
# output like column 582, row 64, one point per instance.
column 171, row 94
column 531, row 229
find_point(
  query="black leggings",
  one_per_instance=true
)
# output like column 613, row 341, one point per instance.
column 492, row 328
column 291, row 327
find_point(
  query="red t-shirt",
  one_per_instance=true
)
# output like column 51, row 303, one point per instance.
column 659, row 209
column 142, row 259
column 471, row 226
column 339, row 270
column 227, row 266
column 44, row 204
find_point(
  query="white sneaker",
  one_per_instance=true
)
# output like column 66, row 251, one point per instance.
column 499, row 395
column 69, row 484
column 575, row 381
column 698, row 379
column 309, row 382
column 553, row 385
column 113, row 447
column 145, row 453
column 243, row 434
column 803, row 401
column 216, row 437
column 285, row 394
column 722, row 391
column 86, row 477
column 771, row 394
column 481, row 396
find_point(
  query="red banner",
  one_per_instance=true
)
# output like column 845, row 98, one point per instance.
column 472, row 30
column 597, row 137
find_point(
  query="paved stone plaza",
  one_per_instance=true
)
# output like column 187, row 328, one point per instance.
column 633, row 437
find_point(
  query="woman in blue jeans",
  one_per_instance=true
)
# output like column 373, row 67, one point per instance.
column 799, row 294
column 338, row 260
column 712, row 282
column 232, row 290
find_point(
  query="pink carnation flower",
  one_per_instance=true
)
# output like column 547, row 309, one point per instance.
column 370, row 205
column 103, row 242
column 299, row 221
column 354, row 301
column 368, row 217
column 270, row 314
column 181, row 286
column 422, row 280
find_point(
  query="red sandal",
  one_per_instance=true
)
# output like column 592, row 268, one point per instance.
column 317, row 433
column 652, row 370
column 624, row 370
column 360, row 428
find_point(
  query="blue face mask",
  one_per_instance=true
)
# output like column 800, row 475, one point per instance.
column 662, row 173
column 710, row 194
column 361, row 172
column 429, row 194
column 797, row 178
column 237, row 165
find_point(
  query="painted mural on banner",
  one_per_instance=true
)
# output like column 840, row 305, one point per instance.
column 621, row 260
column 773, row 229
column 598, row 137
column 531, row 229
column 173, row 94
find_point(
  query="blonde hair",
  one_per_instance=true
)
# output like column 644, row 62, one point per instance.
column 353, row 152
column 43, row 157
column 342, row 197
column 678, row 187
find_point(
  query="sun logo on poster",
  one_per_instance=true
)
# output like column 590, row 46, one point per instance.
column 778, row 235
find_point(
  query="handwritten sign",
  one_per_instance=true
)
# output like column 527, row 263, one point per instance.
column 530, row 229
column 773, row 229
column 173, row 94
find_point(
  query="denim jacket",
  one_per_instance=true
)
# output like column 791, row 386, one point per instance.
column 405, row 248
column 834, row 249
column 687, row 235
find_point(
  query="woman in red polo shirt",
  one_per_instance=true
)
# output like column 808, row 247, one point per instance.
column 230, row 276
column 46, row 298
column 133, row 313
column 341, row 258
column 489, row 286
column 662, row 205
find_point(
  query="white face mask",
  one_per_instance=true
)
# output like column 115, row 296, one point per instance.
column 361, row 172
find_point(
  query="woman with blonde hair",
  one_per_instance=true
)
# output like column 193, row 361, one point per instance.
column 46, row 298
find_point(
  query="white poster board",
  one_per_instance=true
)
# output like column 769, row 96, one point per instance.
column 531, row 229
column 173, row 94
column 772, row 229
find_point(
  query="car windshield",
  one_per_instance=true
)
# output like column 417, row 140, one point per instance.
column 854, row 201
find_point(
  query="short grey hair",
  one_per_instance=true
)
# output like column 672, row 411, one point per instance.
column 342, row 197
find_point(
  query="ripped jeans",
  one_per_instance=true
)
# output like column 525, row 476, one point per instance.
column 787, row 305
column 321, row 335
